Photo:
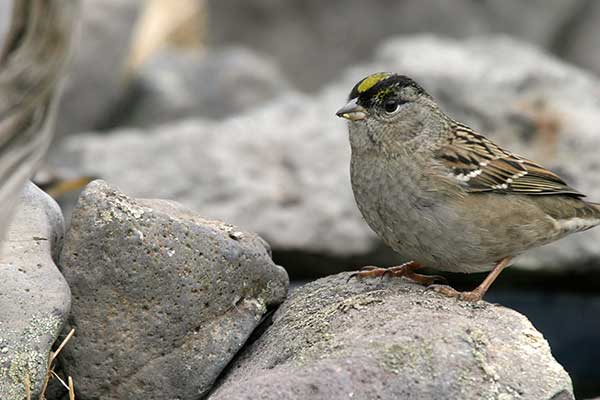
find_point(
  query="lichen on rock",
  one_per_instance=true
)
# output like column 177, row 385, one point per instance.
column 34, row 297
column 163, row 298
column 390, row 339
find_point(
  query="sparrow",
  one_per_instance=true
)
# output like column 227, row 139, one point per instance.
column 444, row 196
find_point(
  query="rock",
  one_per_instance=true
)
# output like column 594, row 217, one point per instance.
column 92, row 87
column 163, row 299
column 565, row 317
column 391, row 340
column 579, row 43
column 214, row 84
column 282, row 170
column 34, row 296
column 336, row 34
column 5, row 16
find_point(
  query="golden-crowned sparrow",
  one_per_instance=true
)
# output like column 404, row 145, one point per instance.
column 445, row 196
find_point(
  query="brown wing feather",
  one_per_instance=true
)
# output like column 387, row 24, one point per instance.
column 483, row 166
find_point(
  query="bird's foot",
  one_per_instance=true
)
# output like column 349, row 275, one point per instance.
column 404, row 270
column 369, row 271
column 473, row 296
column 477, row 293
column 425, row 280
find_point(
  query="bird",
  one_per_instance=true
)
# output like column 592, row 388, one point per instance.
column 443, row 195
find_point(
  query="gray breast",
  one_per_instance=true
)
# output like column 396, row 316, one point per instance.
column 421, row 224
column 393, row 204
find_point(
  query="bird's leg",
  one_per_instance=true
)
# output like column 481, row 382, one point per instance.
column 406, row 270
column 478, row 293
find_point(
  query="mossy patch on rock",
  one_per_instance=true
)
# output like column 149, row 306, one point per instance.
column 34, row 297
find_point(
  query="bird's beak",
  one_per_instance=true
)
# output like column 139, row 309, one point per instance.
column 352, row 111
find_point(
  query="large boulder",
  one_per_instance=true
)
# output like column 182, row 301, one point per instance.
column 175, row 84
column 282, row 170
column 163, row 299
column 388, row 339
column 34, row 297
column 338, row 33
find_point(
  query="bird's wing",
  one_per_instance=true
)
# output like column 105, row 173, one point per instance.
column 480, row 165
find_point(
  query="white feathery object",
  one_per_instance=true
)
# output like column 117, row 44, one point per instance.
column 32, row 58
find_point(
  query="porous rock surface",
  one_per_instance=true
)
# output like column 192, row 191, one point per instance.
column 34, row 297
column 162, row 298
column 282, row 170
column 388, row 339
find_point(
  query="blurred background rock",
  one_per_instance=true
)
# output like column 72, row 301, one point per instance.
column 336, row 34
column 228, row 106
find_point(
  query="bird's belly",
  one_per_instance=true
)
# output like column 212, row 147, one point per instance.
column 435, row 230
column 425, row 236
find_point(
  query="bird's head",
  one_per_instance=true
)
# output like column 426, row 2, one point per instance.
column 386, row 106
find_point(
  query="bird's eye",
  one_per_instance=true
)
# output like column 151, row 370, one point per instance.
column 391, row 106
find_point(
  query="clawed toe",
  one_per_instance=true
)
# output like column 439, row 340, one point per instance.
column 370, row 272
column 440, row 279
column 369, row 268
column 387, row 272
column 405, row 270
column 442, row 289
column 367, row 272
column 447, row 291
column 426, row 280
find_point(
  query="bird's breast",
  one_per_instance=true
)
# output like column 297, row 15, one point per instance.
column 392, row 196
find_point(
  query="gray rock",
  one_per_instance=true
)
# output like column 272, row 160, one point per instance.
column 388, row 339
column 34, row 296
column 215, row 84
column 96, row 74
column 5, row 15
column 579, row 43
column 335, row 34
column 282, row 170
column 163, row 299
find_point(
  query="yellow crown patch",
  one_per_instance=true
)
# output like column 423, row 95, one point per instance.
column 372, row 80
